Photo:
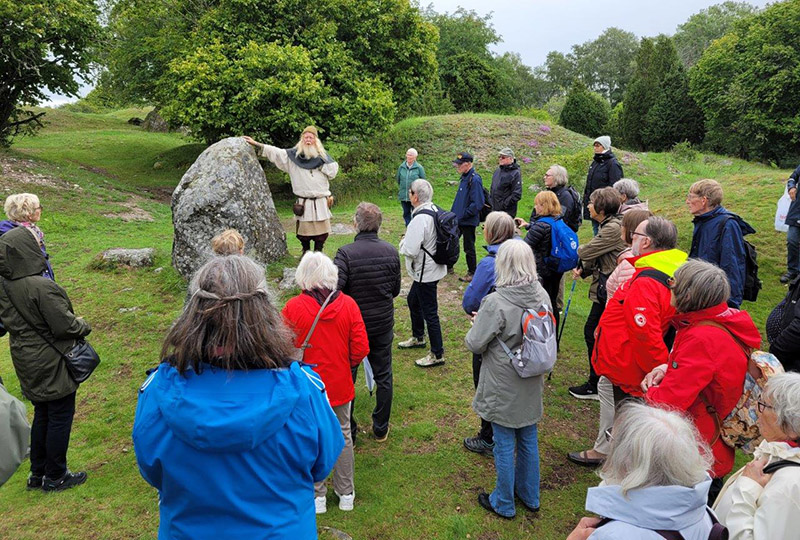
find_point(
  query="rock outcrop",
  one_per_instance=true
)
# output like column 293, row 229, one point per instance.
column 225, row 188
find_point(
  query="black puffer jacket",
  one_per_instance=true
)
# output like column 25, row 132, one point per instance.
column 785, row 345
column 369, row 271
column 506, row 189
column 540, row 240
column 570, row 206
column 603, row 172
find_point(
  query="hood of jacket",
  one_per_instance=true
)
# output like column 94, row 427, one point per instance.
column 720, row 211
column 667, row 260
column 222, row 411
column 510, row 167
column 20, row 255
column 737, row 322
column 605, row 156
column 492, row 249
column 529, row 295
column 669, row 508
column 332, row 310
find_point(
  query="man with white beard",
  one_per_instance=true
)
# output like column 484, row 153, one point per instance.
column 310, row 169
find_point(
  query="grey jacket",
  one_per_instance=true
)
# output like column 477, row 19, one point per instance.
column 502, row 396
column 14, row 434
column 421, row 232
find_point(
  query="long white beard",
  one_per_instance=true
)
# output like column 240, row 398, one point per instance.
column 308, row 151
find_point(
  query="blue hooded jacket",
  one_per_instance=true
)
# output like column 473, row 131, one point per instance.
column 236, row 454
column 719, row 239
column 482, row 282
column 637, row 514
column 469, row 199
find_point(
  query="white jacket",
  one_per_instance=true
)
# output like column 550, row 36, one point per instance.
column 421, row 232
column 751, row 512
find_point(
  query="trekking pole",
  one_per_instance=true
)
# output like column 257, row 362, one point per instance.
column 566, row 312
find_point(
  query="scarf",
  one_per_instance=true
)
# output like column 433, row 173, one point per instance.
column 321, row 294
column 306, row 163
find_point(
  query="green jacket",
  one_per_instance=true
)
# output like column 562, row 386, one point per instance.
column 599, row 255
column 41, row 370
column 405, row 176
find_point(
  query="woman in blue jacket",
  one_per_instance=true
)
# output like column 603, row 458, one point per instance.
column 499, row 227
column 229, row 430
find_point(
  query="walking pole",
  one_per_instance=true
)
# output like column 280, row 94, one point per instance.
column 564, row 320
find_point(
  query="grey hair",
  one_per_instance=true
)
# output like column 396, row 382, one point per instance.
column 653, row 446
column 368, row 217
column 412, row 151
column 783, row 391
column 699, row 285
column 662, row 232
column 499, row 227
column 628, row 187
column 423, row 189
column 21, row 206
column 316, row 271
column 514, row 264
column 560, row 175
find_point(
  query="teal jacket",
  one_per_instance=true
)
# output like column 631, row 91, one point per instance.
column 405, row 176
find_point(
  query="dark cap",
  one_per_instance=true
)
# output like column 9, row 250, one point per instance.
column 463, row 157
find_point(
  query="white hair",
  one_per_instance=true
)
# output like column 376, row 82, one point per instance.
column 21, row 206
column 423, row 189
column 412, row 151
column 560, row 175
column 316, row 271
column 652, row 446
column 784, row 392
column 628, row 187
column 515, row 264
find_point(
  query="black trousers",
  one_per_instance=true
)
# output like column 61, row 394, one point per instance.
column 319, row 241
column 52, row 423
column 486, row 433
column 551, row 284
column 713, row 492
column 380, row 358
column 424, row 306
column 468, row 233
column 588, row 334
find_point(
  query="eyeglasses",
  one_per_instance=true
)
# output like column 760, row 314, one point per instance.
column 762, row 406
column 608, row 435
column 634, row 233
column 411, row 192
column 548, row 174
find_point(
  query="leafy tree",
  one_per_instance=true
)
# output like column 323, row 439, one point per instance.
column 471, row 82
column 520, row 86
column 42, row 45
column 560, row 70
column 362, row 59
column 605, row 65
column 584, row 111
column 696, row 34
column 465, row 31
column 748, row 86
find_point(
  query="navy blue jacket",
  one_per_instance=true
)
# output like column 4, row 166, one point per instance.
column 482, row 281
column 719, row 239
column 793, row 217
column 469, row 199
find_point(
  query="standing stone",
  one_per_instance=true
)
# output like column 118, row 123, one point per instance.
column 224, row 189
column 154, row 122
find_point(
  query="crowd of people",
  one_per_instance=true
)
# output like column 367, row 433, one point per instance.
column 252, row 395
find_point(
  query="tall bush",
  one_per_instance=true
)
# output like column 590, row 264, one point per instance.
column 584, row 111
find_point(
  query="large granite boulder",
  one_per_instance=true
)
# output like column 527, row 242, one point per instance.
column 225, row 188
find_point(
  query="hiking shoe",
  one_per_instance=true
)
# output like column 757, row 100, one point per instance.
column 346, row 502
column 584, row 391
column 479, row 446
column 413, row 343
column 787, row 277
column 483, row 500
column 320, row 504
column 429, row 361
column 69, row 480
column 466, row 279
column 34, row 482
column 381, row 437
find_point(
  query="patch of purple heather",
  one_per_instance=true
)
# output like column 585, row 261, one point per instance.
column 526, row 160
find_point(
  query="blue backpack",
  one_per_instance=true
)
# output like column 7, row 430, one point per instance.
column 563, row 245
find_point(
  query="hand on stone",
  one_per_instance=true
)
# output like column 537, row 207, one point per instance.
column 252, row 142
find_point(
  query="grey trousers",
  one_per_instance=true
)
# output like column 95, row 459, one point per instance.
column 605, row 391
column 343, row 473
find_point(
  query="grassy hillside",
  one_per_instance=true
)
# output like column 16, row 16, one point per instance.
column 96, row 178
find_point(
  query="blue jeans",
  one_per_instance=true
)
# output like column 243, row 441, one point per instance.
column 793, row 250
column 407, row 208
column 520, row 477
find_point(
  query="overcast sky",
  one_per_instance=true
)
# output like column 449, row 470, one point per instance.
column 533, row 28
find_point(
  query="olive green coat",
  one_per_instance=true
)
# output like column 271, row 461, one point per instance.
column 600, row 254
column 40, row 369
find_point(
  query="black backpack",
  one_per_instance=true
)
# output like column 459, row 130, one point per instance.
column 575, row 218
column 447, row 232
column 752, row 285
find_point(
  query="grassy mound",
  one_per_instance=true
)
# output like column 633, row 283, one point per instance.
column 96, row 178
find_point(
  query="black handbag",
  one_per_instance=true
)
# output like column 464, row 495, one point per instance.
column 80, row 361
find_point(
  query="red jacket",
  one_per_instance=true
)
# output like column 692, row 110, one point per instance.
column 707, row 359
column 630, row 335
column 339, row 341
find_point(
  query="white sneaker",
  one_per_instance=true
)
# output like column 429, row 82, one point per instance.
column 412, row 343
column 321, row 504
column 346, row 501
column 429, row 361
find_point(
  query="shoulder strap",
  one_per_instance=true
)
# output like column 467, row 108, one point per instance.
column 669, row 535
column 652, row 273
column 304, row 346
column 24, row 318
column 780, row 464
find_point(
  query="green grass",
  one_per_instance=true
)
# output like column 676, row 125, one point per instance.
column 421, row 483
